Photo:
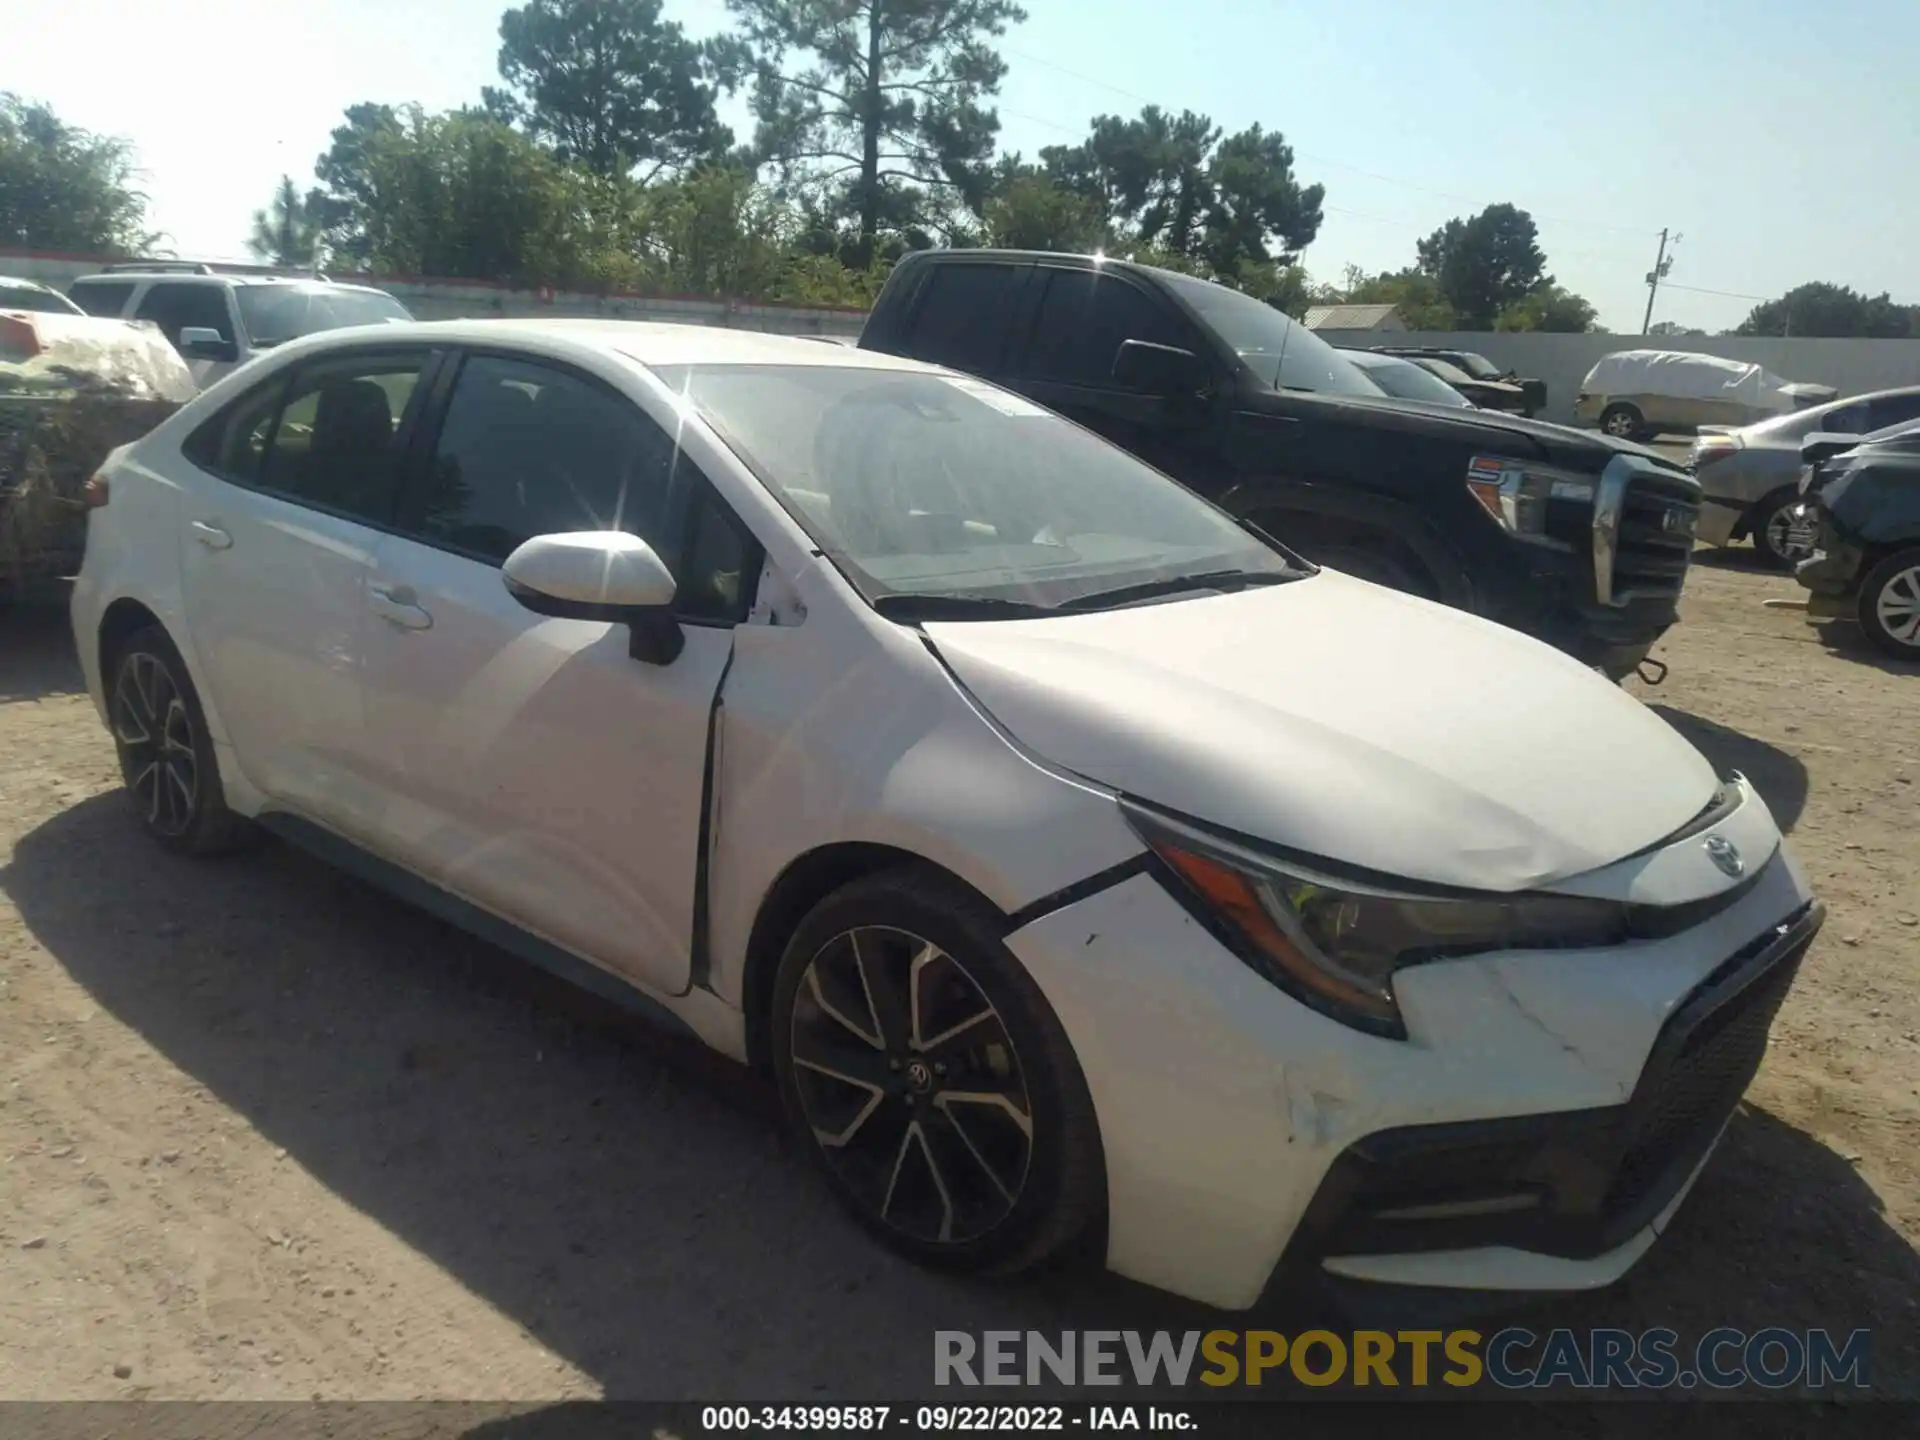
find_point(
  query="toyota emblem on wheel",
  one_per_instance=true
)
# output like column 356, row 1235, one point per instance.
column 1724, row 853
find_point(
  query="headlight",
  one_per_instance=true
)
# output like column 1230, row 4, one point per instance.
column 1336, row 942
column 1516, row 493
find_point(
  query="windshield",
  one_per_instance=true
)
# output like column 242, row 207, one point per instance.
column 1285, row 355
column 32, row 297
column 929, row 485
column 1407, row 381
column 276, row 313
column 1479, row 367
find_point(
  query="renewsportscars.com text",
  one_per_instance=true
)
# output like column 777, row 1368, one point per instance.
column 1514, row 1358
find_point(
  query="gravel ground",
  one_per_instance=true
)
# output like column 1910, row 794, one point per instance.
column 268, row 1134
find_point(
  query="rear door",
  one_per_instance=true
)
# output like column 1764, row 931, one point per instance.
column 295, row 484
column 964, row 315
column 529, row 764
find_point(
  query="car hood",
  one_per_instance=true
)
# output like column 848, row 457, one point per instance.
column 1509, row 434
column 1335, row 717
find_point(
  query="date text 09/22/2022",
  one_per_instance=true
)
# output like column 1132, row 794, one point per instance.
column 943, row 1419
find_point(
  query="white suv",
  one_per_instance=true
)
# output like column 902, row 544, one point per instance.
column 1079, row 860
column 219, row 321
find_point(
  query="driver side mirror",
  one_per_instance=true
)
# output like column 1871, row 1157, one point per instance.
column 1824, row 445
column 198, row 342
column 1164, row 370
column 600, row 575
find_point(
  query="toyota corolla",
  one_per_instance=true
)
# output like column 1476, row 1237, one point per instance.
column 1079, row 860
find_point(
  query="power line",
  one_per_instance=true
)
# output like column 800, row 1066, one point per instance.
column 1702, row 290
column 1315, row 158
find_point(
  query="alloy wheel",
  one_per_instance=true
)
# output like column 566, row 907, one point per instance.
column 909, row 1080
column 153, row 730
column 1790, row 532
column 1620, row 425
column 1898, row 606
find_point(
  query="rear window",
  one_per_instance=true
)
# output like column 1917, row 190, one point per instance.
column 32, row 297
column 101, row 297
column 272, row 314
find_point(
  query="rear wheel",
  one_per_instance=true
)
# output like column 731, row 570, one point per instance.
column 927, row 1076
column 1889, row 605
column 165, row 750
column 1783, row 530
column 1623, row 422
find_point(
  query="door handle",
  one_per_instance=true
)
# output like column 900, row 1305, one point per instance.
column 211, row 536
column 397, row 605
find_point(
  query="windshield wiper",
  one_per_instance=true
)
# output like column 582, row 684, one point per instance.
column 936, row 606
column 1221, row 580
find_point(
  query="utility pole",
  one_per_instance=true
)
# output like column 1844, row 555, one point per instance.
column 1661, row 265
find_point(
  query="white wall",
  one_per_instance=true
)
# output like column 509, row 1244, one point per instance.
column 462, row 299
column 1850, row 366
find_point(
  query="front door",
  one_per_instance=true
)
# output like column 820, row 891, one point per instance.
column 1083, row 318
column 530, row 765
column 282, row 529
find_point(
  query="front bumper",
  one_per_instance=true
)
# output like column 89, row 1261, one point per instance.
column 1720, row 520
column 1226, row 1108
column 1563, row 1201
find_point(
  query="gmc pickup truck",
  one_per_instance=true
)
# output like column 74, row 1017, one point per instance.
column 1579, row 539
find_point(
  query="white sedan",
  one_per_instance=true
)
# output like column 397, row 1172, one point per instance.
column 1078, row 859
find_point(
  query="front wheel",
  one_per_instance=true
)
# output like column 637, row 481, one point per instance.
column 1889, row 606
column 927, row 1076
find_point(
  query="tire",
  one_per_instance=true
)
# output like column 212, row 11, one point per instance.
column 1889, row 605
column 1773, row 530
column 994, row 1185
column 166, row 752
column 1623, row 422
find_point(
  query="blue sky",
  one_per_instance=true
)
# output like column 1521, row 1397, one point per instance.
column 1780, row 138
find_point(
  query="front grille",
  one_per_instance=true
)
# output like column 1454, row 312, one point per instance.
column 1704, row 1081
column 1658, row 516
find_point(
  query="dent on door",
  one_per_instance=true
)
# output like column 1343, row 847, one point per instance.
column 532, row 766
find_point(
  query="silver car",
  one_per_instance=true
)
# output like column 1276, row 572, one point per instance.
column 1751, row 474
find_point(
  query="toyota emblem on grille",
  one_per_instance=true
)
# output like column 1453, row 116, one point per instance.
column 1677, row 522
column 1725, row 854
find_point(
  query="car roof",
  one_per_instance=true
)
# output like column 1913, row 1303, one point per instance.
column 188, row 277
column 651, row 343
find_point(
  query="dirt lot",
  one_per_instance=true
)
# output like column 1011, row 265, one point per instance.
column 269, row 1134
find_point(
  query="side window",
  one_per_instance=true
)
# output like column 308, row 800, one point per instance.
column 528, row 449
column 962, row 315
column 1847, row 420
column 336, row 445
column 174, row 307
column 101, row 297
column 719, row 564
column 1083, row 319
column 1891, row 410
column 233, row 443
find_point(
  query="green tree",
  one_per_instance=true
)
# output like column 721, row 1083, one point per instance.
column 610, row 84
column 1820, row 309
column 284, row 233
column 1257, row 205
column 878, row 106
column 1174, row 183
column 459, row 194
column 1549, row 307
column 1485, row 263
column 1415, row 295
column 63, row 188
column 1029, row 211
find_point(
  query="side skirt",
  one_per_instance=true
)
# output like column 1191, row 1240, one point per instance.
column 404, row 885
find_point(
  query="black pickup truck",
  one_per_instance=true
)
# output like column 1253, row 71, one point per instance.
column 1570, row 536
